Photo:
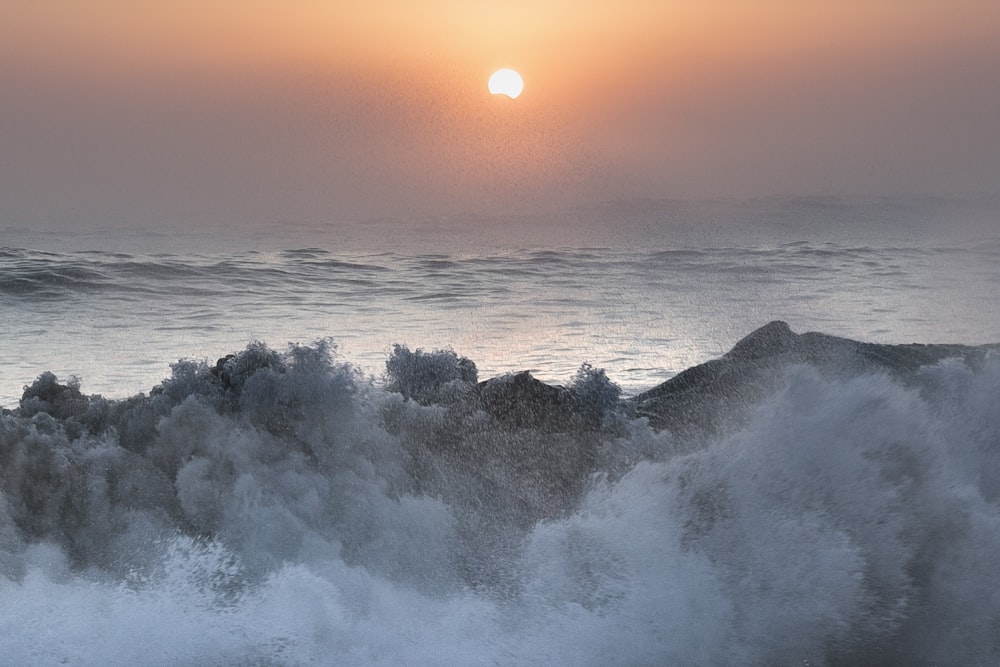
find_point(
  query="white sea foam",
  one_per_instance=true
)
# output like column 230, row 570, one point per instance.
column 282, row 509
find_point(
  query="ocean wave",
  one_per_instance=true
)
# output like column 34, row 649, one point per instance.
column 803, row 499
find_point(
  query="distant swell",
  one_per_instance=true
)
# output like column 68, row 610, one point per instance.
column 802, row 500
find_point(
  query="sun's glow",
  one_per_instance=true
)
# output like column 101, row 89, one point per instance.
column 506, row 82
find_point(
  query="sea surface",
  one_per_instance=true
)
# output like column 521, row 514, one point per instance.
column 295, row 504
column 643, row 292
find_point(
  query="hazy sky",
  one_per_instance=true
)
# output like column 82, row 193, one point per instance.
column 125, row 112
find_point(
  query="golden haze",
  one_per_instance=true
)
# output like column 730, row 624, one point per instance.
column 628, row 98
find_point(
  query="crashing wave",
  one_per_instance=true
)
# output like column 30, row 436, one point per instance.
column 803, row 498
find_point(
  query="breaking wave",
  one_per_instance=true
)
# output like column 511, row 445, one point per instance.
column 279, row 507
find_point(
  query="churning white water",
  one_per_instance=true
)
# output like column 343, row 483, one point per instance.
column 316, row 520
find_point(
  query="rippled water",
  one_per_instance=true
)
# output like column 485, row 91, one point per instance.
column 117, row 320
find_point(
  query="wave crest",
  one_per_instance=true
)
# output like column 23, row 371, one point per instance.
column 803, row 498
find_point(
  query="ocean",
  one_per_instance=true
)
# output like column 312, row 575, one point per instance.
column 299, row 444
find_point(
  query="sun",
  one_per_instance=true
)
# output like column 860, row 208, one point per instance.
column 506, row 82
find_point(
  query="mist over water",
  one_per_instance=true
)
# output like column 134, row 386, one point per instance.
column 278, row 508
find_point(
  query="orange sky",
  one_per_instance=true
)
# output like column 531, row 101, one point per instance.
column 118, row 111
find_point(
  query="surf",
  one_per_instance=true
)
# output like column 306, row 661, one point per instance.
column 801, row 498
